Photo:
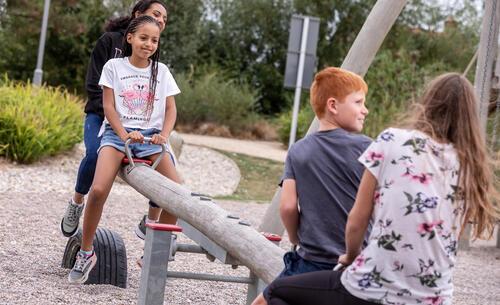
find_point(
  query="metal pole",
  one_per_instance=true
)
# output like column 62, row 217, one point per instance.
column 298, row 86
column 37, row 76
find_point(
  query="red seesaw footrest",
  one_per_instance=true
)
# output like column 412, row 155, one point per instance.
column 271, row 236
column 137, row 160
column 164, row 227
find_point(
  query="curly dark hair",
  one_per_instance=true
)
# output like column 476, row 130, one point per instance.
column 121, row 23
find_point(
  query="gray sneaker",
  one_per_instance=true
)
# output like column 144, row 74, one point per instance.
column 140, row 230
column 69, row 223
column 83, row 265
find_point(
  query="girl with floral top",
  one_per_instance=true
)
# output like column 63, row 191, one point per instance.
column 422, row 184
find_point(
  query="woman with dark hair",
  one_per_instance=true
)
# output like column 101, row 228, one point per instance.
column 108, row 46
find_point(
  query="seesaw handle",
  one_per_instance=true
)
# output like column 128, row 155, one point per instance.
column 146, row 139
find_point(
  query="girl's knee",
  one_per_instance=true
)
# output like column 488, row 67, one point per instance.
column 98, row 192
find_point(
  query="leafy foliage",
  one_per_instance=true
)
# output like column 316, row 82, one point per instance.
column 246, row 39
column 37, row 121
column 340, row 22
column 212, row 98
column 394, row 81
column 73, row 26
column 249, row 41
column 304, row 119
column 184, row 34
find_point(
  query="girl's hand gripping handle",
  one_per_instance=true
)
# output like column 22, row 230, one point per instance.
column 149, row 140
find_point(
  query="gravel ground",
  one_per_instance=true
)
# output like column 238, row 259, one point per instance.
column 33, row 198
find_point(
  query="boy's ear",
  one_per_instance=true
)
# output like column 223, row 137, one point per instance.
column 331, row 105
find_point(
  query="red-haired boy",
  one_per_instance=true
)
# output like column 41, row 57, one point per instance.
column 322, row 174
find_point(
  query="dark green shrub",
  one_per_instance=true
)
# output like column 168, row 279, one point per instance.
column 304, row 120
column 394, row 81
column 37, row 121
column 212, row 99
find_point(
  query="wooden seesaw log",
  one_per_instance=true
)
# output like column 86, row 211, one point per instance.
column 243, row 242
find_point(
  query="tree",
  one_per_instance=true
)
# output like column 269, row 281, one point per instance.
column 248, row 39
column 340, row 22
column 183, row 36
column 72, row 29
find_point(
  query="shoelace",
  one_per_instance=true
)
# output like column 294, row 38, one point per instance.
column 81, row 259
column 74, row 211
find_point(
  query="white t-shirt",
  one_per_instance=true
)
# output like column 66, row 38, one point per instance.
column 131, row 90
column 416, row 221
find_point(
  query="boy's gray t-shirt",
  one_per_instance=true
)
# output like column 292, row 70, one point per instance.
column 327, row 173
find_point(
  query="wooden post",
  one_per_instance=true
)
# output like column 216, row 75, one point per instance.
column 487, row 53
column 358, row 60
column 176, row 143
column 154, row 271
column 242, row 242
column 498, row 235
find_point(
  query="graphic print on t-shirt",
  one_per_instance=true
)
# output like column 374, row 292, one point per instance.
column 136, row 98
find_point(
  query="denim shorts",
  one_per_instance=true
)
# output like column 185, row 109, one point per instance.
column 138, row 150
column 295, row 264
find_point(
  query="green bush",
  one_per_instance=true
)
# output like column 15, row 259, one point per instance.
column 394, row 80
column 304, row 120
column 210, row 98
column 37, row 121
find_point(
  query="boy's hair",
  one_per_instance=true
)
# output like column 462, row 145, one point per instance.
column 448, row 112
column 127, row 51
column 121, row 23
column 333, row 82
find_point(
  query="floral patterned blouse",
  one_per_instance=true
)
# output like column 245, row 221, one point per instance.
column 416, row 220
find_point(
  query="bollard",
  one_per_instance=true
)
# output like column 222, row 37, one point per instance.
column 156, row 257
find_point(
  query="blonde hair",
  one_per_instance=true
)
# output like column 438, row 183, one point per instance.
column 333, row 82
column 448, row 113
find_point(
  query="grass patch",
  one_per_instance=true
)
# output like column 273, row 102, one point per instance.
column 259, row 178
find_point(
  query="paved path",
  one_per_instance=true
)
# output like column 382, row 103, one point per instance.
column 262, row 149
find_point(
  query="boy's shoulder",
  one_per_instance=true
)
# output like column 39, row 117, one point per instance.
column 333, row 139
column 342, row 137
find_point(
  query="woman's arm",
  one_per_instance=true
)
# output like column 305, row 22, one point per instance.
column 289, row 209
column 99, row 56
column 359, row 218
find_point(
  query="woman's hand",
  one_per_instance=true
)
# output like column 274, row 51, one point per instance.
column 135, row 137
column 158, row 139
column 345, row 260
